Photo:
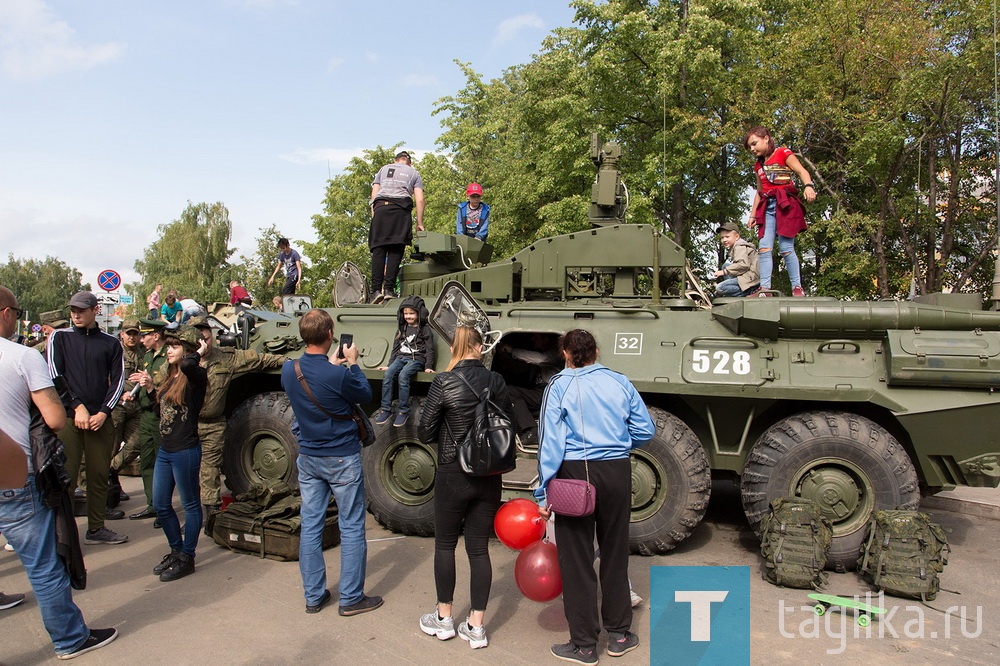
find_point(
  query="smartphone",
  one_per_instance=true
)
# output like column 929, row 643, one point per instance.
column 346, row 340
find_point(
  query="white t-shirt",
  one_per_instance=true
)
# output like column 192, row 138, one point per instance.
column 22, row 371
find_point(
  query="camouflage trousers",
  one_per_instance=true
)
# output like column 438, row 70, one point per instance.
column 213, row 438
column 126, row 417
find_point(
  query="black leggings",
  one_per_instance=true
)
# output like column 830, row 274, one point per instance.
column 473, row 500
column 385, row 267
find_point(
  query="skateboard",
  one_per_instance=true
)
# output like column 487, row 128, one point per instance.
column 864, row 611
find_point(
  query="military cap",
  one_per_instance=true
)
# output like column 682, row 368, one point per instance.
column 199, row 322
column 131, row 324
column 186, row 335
column 151, row 325
column 54, row 318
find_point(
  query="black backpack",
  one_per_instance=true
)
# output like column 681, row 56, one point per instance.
column 488, row 447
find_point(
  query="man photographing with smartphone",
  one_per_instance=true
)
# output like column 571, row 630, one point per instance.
column 329, row 461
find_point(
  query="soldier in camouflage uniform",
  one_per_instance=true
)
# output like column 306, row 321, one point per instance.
column 126, row 415
column 151, row 334
column 50, row 321
column 223, row 365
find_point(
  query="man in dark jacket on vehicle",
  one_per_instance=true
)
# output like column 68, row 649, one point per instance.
column 92, row 363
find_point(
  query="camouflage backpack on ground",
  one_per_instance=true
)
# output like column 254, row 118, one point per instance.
column 904, row 553
column 795, row 539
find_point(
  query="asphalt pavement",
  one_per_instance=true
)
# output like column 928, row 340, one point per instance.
column 239, row 609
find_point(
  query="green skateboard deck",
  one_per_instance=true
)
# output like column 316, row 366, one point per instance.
column 864, row 611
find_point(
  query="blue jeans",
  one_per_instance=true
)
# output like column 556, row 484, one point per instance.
column 180, row 469
column 29, row 526
column 404, row 368
column 731, row 287
column 786, row 246
column 318, row 477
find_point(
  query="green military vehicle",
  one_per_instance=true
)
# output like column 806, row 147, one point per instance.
column 857, row 405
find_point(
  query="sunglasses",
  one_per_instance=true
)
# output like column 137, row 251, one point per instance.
column 18, row 312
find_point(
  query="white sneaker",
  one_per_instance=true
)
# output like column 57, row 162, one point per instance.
column 443, row 628
column 475, row 635
column 636, row 599
column 9, row 548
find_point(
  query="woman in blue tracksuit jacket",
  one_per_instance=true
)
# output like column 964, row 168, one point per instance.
column 592, row 413
column 473, row 218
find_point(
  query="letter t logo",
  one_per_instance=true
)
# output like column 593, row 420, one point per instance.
column 701, row 610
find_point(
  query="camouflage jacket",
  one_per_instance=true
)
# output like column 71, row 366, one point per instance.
column 223, row 365
column 153, row 362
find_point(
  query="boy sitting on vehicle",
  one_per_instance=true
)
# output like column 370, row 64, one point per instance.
column 412, row 351
column 740, row 273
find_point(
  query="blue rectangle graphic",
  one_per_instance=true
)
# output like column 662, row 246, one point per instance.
column 699, row 615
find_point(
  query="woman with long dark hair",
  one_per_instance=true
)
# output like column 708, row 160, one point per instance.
column 591, row 419
column 178, row 400
column 777, row 211
column 460, row 499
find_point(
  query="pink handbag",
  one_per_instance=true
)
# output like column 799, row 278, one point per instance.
column 571, row 497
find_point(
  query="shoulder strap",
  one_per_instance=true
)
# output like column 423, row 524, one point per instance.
column 305, row 387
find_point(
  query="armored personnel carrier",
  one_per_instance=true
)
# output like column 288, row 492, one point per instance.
column 857, row 405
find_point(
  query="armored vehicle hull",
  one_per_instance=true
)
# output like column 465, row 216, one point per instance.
column 859, row 406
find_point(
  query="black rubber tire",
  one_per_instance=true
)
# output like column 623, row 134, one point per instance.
column 260, row 446
column 675, row 465
column 842, row 460
column 399, row 477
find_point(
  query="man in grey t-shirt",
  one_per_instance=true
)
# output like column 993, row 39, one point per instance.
column 396, row 190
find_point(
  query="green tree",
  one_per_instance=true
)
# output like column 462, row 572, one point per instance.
column 41, row 285
column 191, row 255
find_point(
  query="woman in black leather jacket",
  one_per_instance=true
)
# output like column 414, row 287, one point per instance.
column 445, row 418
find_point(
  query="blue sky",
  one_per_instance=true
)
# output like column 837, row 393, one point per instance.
column 116, row 113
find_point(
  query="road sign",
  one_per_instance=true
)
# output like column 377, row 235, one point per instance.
column 126, row 299
column 109, row 280
column 108, row 299
column 36, row 328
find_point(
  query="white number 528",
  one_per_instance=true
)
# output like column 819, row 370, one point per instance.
column 720, row 362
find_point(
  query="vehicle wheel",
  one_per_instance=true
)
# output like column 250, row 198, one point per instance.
column 846, row 463
column 399, row 477
column 260, row 446
column 671, row 485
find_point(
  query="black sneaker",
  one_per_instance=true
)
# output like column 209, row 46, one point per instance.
column 114, row 514
column 103, row 535
column 619, row 644
column 98, row 638
column 365, row 605
column 182, row 565
column 377, row 298
column 318, row 606
column 165, row 563
column 10, row 600
column 577, row 655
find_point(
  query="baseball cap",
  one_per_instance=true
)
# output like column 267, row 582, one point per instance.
column 403, row 153
column 130, row 324
column 728, row 226
column 83, row 300
column 474, row 188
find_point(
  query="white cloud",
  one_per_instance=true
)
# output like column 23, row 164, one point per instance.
column 334, row 63
column 510, row 28
column 337, row 158
column 421, row 81
column 35, row 43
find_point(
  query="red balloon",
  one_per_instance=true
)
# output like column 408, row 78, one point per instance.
column 536, row 572
column 518, row 524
